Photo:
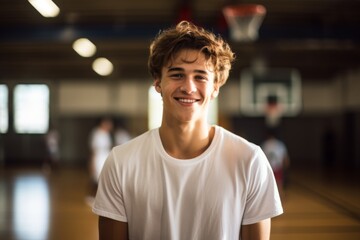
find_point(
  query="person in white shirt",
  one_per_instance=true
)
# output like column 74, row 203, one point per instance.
column 100, row 145
column 187, row 179
column 121, row 135
column 277, row 154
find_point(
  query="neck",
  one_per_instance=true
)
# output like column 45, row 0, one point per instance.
column 186, row 141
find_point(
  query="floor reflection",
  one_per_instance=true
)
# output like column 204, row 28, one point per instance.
column 34, row 206
column 31, row 208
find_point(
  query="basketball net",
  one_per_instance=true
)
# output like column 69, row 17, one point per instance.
column 244, row 21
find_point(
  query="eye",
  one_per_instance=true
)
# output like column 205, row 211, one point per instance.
column 201, row 78
column 176, row 76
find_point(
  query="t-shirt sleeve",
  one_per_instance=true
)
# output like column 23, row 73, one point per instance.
column 263, row 200
column 109, row 201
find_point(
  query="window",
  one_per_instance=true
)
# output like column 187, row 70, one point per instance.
column 31, row 108
column 4, row 111
column 155, row 108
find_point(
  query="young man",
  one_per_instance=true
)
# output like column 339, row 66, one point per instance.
column 187, row 179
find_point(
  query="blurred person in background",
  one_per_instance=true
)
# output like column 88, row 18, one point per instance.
column 52, row 139
column 277, row 154
column 100, row 145
column 187, row 179
column 121, row 134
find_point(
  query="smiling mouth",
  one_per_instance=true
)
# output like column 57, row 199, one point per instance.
column 186, row 100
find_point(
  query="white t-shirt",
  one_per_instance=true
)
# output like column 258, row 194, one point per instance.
column 207, row 197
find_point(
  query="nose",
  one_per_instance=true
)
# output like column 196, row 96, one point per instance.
column 188, row 86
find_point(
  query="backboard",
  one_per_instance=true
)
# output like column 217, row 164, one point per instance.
column 281, row 87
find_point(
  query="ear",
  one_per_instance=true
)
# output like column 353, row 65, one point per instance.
column 215, row 93
column 157, row 85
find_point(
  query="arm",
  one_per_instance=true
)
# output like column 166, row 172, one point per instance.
column 256, row 231
column 110, row 229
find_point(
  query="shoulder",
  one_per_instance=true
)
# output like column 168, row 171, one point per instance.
column 236, row 151
column 227, row 134
column 143, row 138
column 134, row 148
column 236, row 143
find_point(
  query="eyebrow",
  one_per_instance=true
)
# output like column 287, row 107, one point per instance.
column 178, row 69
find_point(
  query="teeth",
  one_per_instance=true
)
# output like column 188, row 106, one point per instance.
column 187, row 100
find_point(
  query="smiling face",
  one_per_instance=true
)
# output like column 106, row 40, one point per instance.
column 187, row 86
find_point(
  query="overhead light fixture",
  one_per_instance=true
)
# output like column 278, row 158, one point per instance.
column 47, row 8
column 102, row 66
column 84, row 47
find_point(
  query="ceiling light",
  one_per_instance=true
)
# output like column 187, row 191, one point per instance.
column 84, row 47
column 102, row 66
column 47, row 8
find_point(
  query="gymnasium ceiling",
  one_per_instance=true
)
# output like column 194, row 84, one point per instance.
column 320, row 38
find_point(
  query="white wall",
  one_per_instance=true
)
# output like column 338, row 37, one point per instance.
column 352, row 89
column 83, row 98
column 322, row 96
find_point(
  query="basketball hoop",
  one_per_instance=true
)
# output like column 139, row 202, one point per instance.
column 244, row 21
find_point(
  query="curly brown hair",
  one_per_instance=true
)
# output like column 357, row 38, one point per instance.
column 188, row 36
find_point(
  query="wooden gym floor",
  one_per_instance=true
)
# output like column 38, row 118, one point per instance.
column 35, row 205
